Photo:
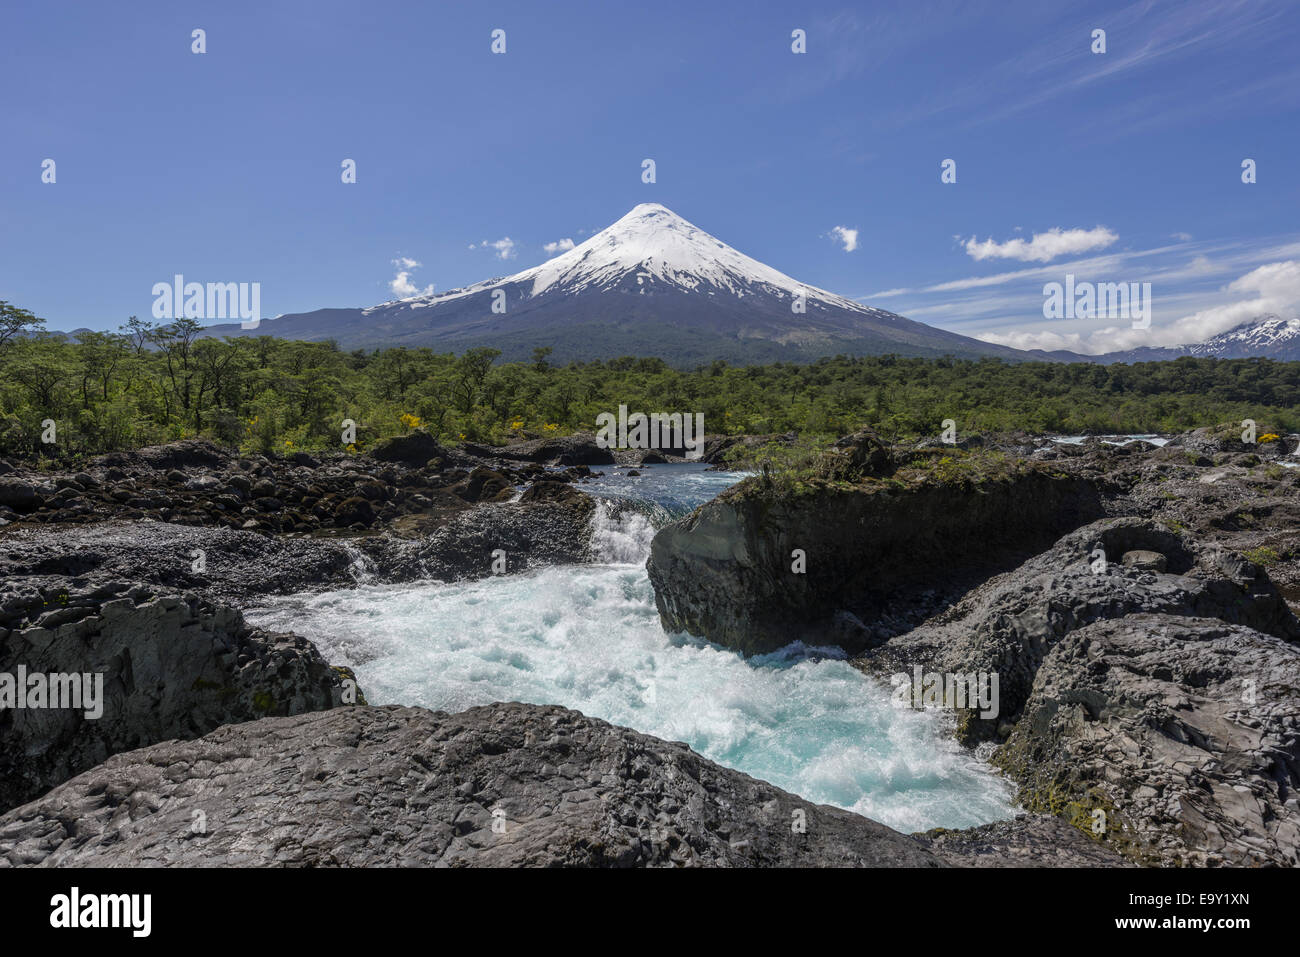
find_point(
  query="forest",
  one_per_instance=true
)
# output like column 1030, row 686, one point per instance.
column 149, row 383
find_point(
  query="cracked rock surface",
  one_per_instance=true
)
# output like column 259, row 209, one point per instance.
column 500, row 785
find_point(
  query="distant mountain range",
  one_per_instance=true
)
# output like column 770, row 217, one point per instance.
column 651, row 284
column 1267, row 336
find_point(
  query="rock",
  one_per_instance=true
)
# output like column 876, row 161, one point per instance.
column 580, row 448
column 20, row 496
column 541, row 531
column 1009, row 624
column 236, row 565
column 1183, row 732
column 1031, row 840
column 728, row 572
column 183, row 454
column 1144, row 560
column 547, row 491
column 354, row 510
column 415, row 449
column 484, row 485
column 1209, row 440
column 860, row 455
column 506, row 785
column 171, row 666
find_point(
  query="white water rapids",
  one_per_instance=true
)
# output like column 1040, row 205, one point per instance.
column 588, row 637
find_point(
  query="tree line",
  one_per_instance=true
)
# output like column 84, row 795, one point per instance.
column 149, row 383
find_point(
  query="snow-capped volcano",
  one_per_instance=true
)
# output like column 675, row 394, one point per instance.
column 653, row 245
column 650, row 284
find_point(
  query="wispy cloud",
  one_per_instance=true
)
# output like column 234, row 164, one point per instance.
column 559, row 246
column 504, row 248
column 1043, row 247
column 1199, row 289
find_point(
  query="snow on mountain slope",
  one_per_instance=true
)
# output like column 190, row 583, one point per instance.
column 1257, row 337
column 650, row 284
column 651, row 244
column 1267, row 336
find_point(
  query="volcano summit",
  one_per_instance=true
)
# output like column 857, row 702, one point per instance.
column 651, row 284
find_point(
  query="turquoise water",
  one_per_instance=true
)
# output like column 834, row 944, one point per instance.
column 588, row 637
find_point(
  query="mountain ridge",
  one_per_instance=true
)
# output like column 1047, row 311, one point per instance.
column 650, row 284
column 1268, row 336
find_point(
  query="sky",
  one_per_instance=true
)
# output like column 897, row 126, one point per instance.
column 226, row 165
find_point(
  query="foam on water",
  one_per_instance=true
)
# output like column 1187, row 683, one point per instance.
column 588, row 637
column 1111, row 439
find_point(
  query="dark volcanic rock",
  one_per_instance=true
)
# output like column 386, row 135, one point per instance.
column 728, row 571
column 861, row 455
column 19, row 495
column 354, row 511
column 171, row 666
column 414, row 449
column 580, row 448
column 502, row 785
column 1008, row 625
column 551, row 492
column 483, row 485
column 1031, row 840
column 184, row 454
column 546, row 530
column 1183, row 732
column 217, row 562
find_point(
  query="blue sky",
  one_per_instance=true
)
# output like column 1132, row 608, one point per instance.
column 1119, row 167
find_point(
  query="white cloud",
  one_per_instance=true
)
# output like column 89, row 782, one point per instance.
column 1043, row 247
column 1181, row 237
column 401, row 284
column 559, row 246
column 1272, row 288
column 849, row 237
column 505, row 248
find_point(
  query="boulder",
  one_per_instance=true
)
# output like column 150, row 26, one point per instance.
column 1178, row 736
column 19, row 495
column 730, row 571
column 483, row 485
column 169, row 665
column 546, row 491
column 1009, row 624
column 415, row 449
column 1145, row 560
column 354, row 510
column 581, row 448
column 506, row 785
column 860, row 455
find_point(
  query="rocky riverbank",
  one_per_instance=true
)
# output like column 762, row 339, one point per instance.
column 1120, row 691
column 1146, row 659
